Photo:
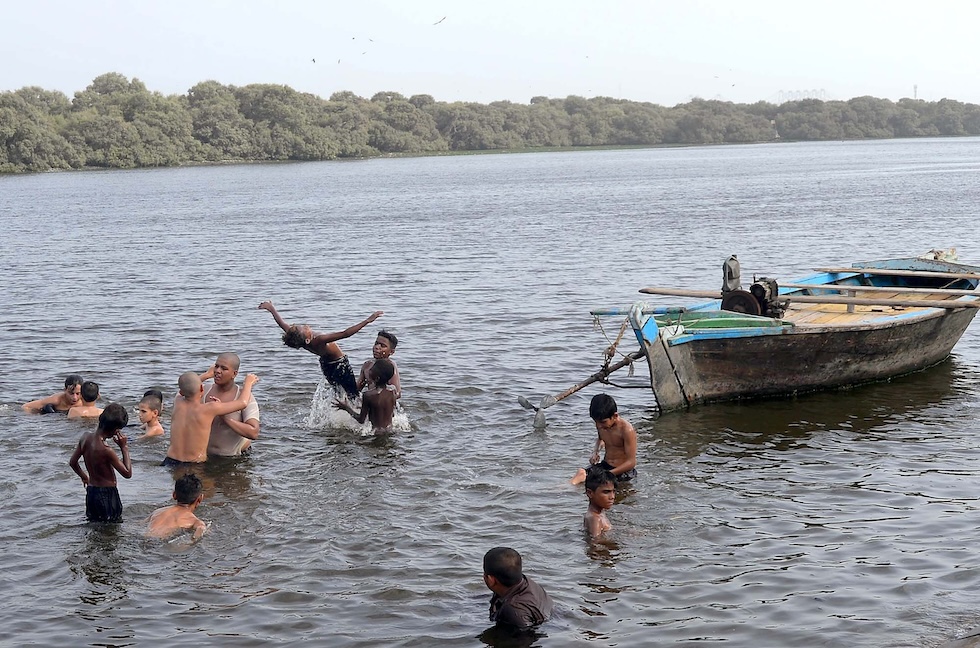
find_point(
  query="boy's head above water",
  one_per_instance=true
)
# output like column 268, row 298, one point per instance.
column 382, row 371
column 385, row 344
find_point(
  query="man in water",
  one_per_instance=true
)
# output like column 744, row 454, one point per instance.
column 231, row 434
column 190, row 425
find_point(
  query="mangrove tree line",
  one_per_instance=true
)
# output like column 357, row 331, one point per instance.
column 118, row 123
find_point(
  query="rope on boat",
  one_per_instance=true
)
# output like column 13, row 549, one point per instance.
column 613, row 347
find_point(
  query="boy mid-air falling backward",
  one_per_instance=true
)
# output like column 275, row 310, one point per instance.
column 333, row 363
column 377, row 404
column 101, row 496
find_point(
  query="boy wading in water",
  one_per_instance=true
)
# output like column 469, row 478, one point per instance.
column 333, row 363
column 618, row 437
column 377, row 404
column 101, row 496
column 600, row 488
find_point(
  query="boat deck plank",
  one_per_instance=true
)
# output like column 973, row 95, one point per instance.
column 838, row 315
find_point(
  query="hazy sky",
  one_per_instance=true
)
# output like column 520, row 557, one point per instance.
column 660, row 51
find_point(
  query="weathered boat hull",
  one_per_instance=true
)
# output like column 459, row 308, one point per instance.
column 841, row 327
column 795, row 361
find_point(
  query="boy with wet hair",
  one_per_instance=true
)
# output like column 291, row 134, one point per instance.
column 60, row 402
column 384, row 347
column 377, row 404
column 517, row 602
column 600, row 488
column 171, row 520
column 149, row 412
column 333, row 363
column 616, row 435
column 87, row 408
column 101, row 495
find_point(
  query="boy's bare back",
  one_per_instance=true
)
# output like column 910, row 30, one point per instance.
column 101, row 461
column 167, row 522
column 190, row 424
column 380, row 404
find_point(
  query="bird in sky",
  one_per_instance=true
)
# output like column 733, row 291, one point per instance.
column 440, row 20
column 314, row 60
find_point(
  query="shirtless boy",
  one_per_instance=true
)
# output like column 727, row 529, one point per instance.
column 618, row 437
column 60, row 402
column 231, row 434
column 190, row 425
column 101, row 496
column 87, row 408
column 176, row 518
column 333, row 363
column 600, row 488
column 149, row 409
column 384, row 347
column 377, row 404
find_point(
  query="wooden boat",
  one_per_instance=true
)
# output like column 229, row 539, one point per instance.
column 840, row 327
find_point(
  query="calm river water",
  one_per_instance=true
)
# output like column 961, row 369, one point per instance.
column 845, row 519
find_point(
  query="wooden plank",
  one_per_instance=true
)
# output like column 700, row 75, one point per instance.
column 900, row 303
column 895, row 289
column 826, row 299
column 907, row 273
column 680, row 292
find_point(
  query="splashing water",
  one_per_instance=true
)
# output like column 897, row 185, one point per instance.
column 324, row 415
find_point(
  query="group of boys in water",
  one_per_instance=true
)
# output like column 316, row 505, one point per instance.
column 224, row 420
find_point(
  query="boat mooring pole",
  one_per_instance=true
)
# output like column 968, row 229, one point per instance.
column 548, row 401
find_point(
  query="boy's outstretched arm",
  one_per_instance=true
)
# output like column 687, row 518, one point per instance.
column 267, row 305
column 220, row 408
column 36, row 405
column 327, row 338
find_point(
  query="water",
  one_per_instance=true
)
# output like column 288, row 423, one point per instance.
column 845, row 519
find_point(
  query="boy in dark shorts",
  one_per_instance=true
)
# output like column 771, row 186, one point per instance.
column 377, row 404
column 616, row 435
column 333, row 363
column 101, row 496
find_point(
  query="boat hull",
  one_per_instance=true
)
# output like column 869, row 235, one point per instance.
column 796, row 360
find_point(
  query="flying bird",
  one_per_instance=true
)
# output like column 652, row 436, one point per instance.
column 314, row 60
column 440, row 20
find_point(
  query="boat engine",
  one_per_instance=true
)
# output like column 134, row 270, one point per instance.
column 766, row 292
column 762, row 297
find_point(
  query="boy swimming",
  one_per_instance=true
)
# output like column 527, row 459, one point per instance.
column 171, row 520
